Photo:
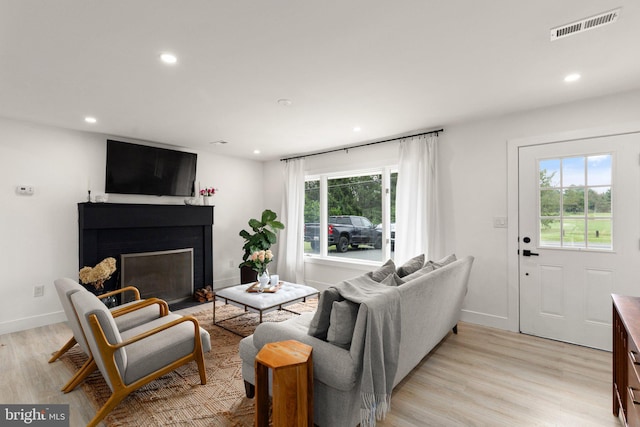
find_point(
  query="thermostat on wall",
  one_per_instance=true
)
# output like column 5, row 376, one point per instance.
column 25, row 190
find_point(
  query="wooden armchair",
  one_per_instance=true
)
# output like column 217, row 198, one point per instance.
column 129, row 315
column 131, row 359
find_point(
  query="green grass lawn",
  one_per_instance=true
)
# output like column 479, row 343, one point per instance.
column 598, row 231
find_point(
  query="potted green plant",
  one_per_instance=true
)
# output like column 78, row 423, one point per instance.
column 261, row 239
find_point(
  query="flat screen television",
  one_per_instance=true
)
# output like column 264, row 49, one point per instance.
column 142, row 169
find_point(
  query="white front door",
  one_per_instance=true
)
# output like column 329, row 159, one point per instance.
column 579, row 236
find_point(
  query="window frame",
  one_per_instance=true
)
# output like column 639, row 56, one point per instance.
column 585, row 186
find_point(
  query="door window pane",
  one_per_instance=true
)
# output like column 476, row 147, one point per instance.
column 573, row 232
column 549, row 202
column 599, row 168
column 550, row 234
column 573, row 201
column 550, row 173
column 573, row 171
column 599, row 233
column 599, row 202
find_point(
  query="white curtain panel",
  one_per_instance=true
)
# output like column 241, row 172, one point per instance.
column 290, row 263
column 417, row 230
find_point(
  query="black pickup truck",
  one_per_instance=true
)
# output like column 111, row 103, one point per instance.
column 345, row 230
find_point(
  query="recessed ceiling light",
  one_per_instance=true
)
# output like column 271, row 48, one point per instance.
column 357, row 128
column 256, row 151
column 168, row 58
column 572, row 78
column 91, row 120
column 285, row 102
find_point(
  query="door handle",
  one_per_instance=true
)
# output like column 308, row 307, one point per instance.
column 527, row 252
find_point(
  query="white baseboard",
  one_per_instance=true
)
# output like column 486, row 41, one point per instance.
column 32, row 322
column 484, row 319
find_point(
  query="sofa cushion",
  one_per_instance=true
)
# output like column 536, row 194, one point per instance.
column 392, row 280
column 383, row 271
column 342, row 323
column 320, row 323
column 411, row 266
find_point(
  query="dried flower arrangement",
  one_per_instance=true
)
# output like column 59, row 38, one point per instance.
column 99, row 274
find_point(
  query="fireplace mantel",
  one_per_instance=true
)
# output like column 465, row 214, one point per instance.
column 110, row 229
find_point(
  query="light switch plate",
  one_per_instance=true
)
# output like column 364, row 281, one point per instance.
column 499, row 222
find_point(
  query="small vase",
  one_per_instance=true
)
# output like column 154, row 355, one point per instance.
column 208, row 200
column 263, row 280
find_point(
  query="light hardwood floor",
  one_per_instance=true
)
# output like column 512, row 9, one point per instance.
column 480, row 377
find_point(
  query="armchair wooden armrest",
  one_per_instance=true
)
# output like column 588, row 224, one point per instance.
column 133, row 289
column 137, row 305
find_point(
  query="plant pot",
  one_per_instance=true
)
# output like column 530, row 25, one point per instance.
column 248, row 275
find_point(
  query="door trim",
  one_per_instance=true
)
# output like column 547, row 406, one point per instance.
column 513, row 147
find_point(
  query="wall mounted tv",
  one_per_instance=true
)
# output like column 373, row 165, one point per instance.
column 142, row 169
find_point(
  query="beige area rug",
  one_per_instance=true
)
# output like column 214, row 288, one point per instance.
column 178, row 399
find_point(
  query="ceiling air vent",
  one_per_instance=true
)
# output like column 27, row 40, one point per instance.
column 585, row 24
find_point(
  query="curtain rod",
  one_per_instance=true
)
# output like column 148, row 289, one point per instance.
column 360, row 145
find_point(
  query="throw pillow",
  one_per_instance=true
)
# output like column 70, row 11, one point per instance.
column 392, row 280
column 411, row 266
column 319, row 325
column 383, row 271
column 428, row 268
column 342, row 323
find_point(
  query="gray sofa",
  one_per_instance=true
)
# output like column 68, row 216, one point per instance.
column 430, row 308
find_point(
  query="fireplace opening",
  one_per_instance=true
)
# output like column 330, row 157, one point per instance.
column 167, row 275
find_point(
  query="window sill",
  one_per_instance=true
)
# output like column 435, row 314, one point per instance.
column 356, row 264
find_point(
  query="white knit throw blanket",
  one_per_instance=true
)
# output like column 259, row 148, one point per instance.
column 381, row 344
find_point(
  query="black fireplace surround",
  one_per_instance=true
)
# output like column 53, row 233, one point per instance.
column 110, row 229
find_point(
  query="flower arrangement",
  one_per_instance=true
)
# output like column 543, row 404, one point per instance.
column 99, row 274
column 259, row 241
column 259, row 260
column 207, row 192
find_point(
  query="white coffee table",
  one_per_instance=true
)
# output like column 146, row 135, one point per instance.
column 264, row 302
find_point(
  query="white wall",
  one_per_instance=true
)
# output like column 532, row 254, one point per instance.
column 39, row 233
column 39, row 237
column 473, row 174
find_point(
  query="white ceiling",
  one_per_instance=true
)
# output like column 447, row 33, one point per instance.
column 390, row 67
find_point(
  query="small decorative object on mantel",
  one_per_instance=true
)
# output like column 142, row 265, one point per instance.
column 207, row 194
column 257, row 253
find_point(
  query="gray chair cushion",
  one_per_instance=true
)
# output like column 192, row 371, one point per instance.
column 136, row 318
column 149, row 355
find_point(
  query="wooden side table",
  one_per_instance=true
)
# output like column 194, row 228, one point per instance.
column 292, row 367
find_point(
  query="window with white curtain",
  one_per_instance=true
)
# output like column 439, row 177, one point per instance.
column 351, row 215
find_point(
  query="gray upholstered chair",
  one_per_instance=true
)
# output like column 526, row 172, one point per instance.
column 133, row 358
column 127, row 316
